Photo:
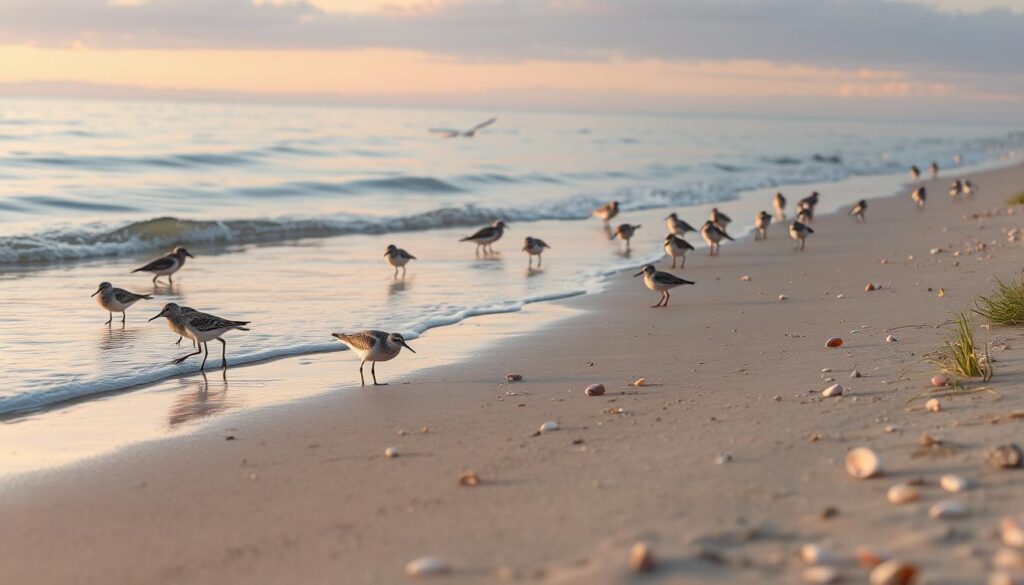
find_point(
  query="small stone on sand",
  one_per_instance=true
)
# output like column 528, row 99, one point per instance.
column 391, row 452
column 1004, row 456
column 641, row 559
column 426, row 566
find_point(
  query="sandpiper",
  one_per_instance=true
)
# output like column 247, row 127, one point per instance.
column 857, row 211
column 805, row 214
column 918, row 196
column 373, row 346
column 933, row 169
column 713, row 235
column 398, row 258
column 780, row 206
column 606, row 212
column 677, row 247
column 799, row 231
column 970, row 188
column 179, row 326
column 534, row 247
column 625, row 232
column 678, row 226
column 166, row 265
column 484, row 237
column 955, row 189
column 810, row 201
column 661, row 282
column 720, row 219
column 915, row 173
column 116, row 300
column 200, row 328
column 761, row 223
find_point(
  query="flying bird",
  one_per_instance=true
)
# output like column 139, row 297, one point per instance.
column 452, row 133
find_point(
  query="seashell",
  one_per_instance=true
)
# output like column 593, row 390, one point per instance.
column 833, row 342
column 883, row 261
column 954, row 483
column 469, row 478
column 639, row 382
column 391, row 452
column 902, row 493
column 890, row 339
column 513, row 377
column 947, row 509
column 1004, row 456
column 893, row 572
column 935, row 251
column 1008, row 558
column 783, row 298
column 548, row 427
column 723, row 459
column 839, row 296
column 863, row 463
column 426, row 566
column 870, row 287
column 940, row 380
column 641, row 559
column 1011, row 530
column 933, row 405
column 833, row 390
column 855, row 374
column 942, row 292
column 826, row 370
column 870, row 557
column 745, row 278
column 815, row 554
column 821, row 575
column 594, row 390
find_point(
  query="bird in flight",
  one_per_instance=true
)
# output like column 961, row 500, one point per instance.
column 452, row 133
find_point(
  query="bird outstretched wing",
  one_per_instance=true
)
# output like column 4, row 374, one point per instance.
column 482, row 125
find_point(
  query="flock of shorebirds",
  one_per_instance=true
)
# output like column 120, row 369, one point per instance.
column 379, row 346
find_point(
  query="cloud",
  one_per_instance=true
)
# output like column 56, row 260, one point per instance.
column 824, row 33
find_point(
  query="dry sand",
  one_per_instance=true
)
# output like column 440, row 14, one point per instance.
column 304, row 494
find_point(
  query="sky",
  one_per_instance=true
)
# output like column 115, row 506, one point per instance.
column 903, row 58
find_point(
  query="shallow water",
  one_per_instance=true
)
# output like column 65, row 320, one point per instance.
column 288, row 210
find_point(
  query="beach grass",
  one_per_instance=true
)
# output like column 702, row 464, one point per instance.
column 1017, row 199
column 1005, row 306
column 961, row 357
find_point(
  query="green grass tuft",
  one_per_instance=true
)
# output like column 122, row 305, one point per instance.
column 1006, row 304
column 961, row 358
column 1016, row 199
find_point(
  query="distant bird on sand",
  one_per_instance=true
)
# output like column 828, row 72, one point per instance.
column 373, row 346
column 761, row 223
column 166, row 265
column 809, row 201
column 799, row 232
column 915, row 173
column 485, row 237
column 713, row 235
column 398, row 258
column 918, row 196
column 780, row 206
column 677, row 247
column 805, row 214
column 970, row 188
column 678, row 226
column 625, row 232
column 201, row 328
column 857, row 211
column 116, row 300
column 955, row 189
column 661, row 282
column 606, row 212
column 933, row 169
column 534, row 247
column 720, row 219
column 453, row 133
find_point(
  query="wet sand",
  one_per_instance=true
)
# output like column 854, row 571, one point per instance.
column 302, row 492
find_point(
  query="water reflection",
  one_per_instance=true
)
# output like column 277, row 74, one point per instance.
column 200, row 398
column 114, row 339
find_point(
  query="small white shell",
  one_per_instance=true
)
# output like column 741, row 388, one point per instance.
column 933, row 405
column 549, row 426
column 953, row 483
column 426, row 566
column 855, row 374
column 833, row 390
column 946, row 509
column 902, row 493
column 890, row 339
column 639, row 382
column 815, row 554
column 862, row 463
column 1011, row 530
column 893, row 572
column 391, row 452
column 783, row 298
column 821, row 575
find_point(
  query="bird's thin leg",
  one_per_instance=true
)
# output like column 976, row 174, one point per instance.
column 659, row 301
column 403, row 273
column 224, row 354
column 206, row 345
column 362, row 380
column 170, row 279
column 540, row 260
column 123, row 317
column 666, row 299
column 179, row 340
column 183, row 358
column 373, row 373
column 110, row 319
column 155, row 276
column 682, row 263
column 396, row 272
column 673, row 262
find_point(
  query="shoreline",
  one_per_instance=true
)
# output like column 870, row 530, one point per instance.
column 331, row 504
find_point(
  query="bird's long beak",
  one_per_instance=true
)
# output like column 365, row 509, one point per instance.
column 386, row 253
column 667, row 216
column 189, row 255
column 157, row 316
column 406, row 346
column 96, row 293
column 638, row 274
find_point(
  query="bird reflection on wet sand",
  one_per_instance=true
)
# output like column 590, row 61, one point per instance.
column 200, row 399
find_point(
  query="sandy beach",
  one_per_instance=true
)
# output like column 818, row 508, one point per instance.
column 726, row 463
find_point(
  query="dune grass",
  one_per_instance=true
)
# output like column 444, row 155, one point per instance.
column 1005, row 306
column 1016, row 199
column 960, row 357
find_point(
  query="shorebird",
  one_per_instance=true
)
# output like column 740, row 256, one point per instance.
column 606, row 212
column 677, row 247
column 486, row 236
column 761, row 223
column 915, row 173
column 200, row 328
column 933, row 169
column 678, row 226
column 918, row 196
column 625, row 232
column 179, row 326
column 534, row 247
column 661, row 282
column 799, row 231
column 713, row 235
column 970, row 188
column 116, row 300
column 453, row 133
column 809, row 201
column 166, row 265
column 857, row 210
column 780, row 206
column 805, row 214
column 955, row 189
column 720, row 219
column 373, row 346
column 398, row 258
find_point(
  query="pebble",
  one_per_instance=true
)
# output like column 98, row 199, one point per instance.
column 783, row 298
column 863, row 463
column 893, row 572
column 890, row 339
column 548, row 427
column 391, row 452
column 833, row 390
column 723, row 459
column 902, row 493
column 933, row 405
column 954, row 483
column 834, row 342
column 940, row 380
column 745, row 278
column 639, row 382
column 1011, row 531
column 946, row 509
column 469, row 478
column 839, row 296
column 816, row 554
column 594, row 390
column 855, row 374
column 826, row 370
column 513, row 377
column 426, row 566
column 641, row 559
column 870, row 287
column 1004, row 456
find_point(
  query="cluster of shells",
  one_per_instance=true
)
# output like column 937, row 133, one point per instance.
column 1014, row 234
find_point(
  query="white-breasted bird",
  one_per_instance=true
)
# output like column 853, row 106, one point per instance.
column 116, row 300
column 779, row 202
column 761, row 223
column 915, row 173
column 799, row 232
column 485, row 237
column 933, row 169
column 201, row 328
column 970, row 188
column 810, row 201
column 606, row 212
column 805, row 214
column 857, row 211
column 720, row 219
column 534, row 247
column 373, row 346
column 661, row 282
column 678, row 226
column 955, row 189
column 166, row 265
column 625, row 232
column 918, row 196
column 713, row 235
column 677, row 247
column 398, row 258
